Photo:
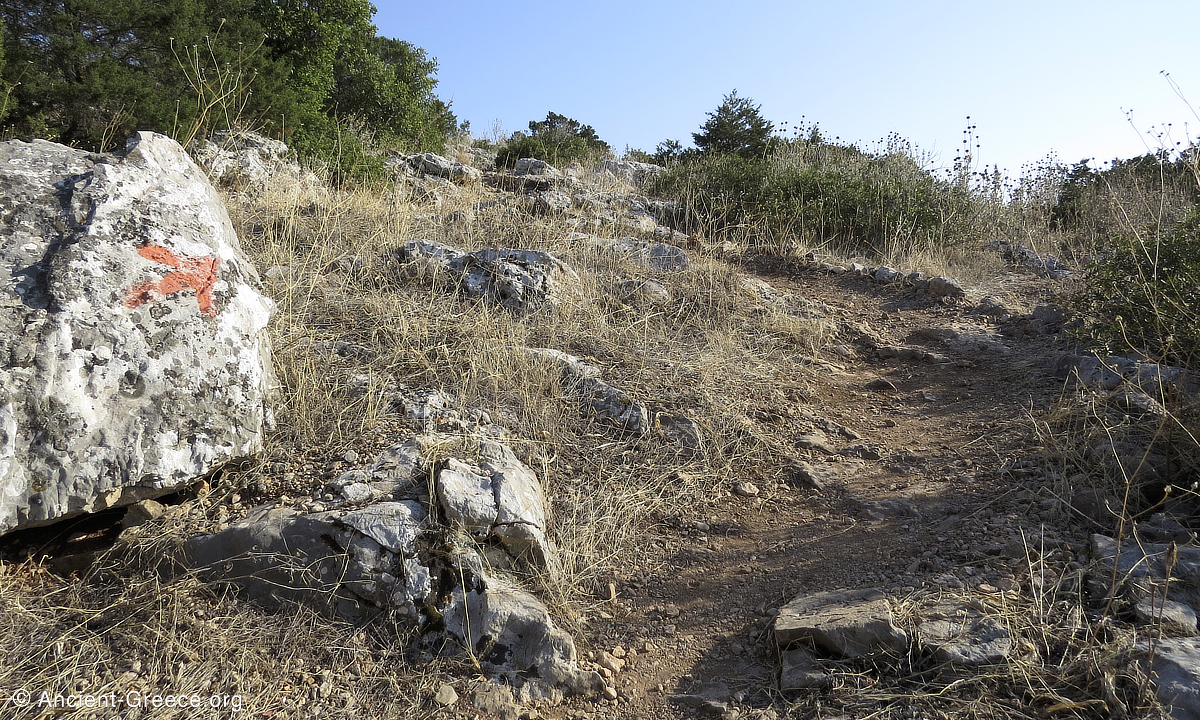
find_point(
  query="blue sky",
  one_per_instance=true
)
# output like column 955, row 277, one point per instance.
column 1035, row 77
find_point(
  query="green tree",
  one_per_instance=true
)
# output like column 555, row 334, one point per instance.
column 735, row 128
column 86, row 72
column 558, row 140
column 389, row 84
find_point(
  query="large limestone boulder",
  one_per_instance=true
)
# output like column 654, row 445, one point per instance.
column 437, row 166
column 635, row 173
column 132, row 353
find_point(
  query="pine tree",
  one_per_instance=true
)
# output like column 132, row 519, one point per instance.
column 735, row 128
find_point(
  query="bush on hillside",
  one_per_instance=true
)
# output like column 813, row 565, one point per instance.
column 827, row 193
column 1143, row 293
column 1094, row 206
column 558, row 140
column 736, row 127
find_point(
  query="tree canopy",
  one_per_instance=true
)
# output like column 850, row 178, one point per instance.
column 87, row 72
column 735, row 128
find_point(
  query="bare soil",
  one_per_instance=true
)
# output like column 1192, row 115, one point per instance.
column 941, row 488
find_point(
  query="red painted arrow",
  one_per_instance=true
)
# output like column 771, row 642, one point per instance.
column 194, row 273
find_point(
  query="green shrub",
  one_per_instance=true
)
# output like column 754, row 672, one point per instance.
column 736, row 127
column 558, row 140
column 832, row 194
column 342, row 149
column 1143, row 293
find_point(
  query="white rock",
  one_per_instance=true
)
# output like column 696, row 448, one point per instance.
column 133, row 357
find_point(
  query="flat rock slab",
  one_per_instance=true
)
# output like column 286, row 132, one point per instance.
column 801, row 671
column 962, row 635
column 848, row 623
column 1142, row 565
column 1176, row 669
column 1173, row 617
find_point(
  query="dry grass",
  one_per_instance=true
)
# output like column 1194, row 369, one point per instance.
column 1065, row 661
column 345, row 311
column 124, row 640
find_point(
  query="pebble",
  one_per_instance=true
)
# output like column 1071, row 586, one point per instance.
column 445, row 696
column 608, row 662
column 745, row 489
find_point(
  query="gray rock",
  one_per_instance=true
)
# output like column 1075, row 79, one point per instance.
column 886, row 274
column 635, row 173
column 1176, row 667
column 445, row 696
column 1112, row 372
column 815, row 441
column 962, row 635
column 805, row 475
column 467, row 496
column 364, row 565
column 496, row 701
column 438, row 166
column 394, row 525
column 133, row 353
column 521, row 280
column 801, row 671
column 600, row 398
column 533, row 166
column 141, row 513
column 511, row 634
column 681, row 431
column 943, row 287
column 650, row 255
column 1047, row 264
column 520, row 506
column 1174, row 618
column 280, row 556
column 550, row 202
column 881, row 385
column 849, row 623
column 643, row 293
column 249, row 163
column 1142, row 566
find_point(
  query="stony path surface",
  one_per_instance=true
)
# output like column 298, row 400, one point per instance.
column 917, row 486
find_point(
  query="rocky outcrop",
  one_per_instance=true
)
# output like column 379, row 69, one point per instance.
column 634, row 173
column 430, row 164
column 257, row 166
column 132, row 353
column 393, row 560
column 521, row 280
column 649, row 255
column 599, row 398
column 1114, row 371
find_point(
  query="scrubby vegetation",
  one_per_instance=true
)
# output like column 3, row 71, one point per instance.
column 558, row 140
column 720, row 352
column 317, row 76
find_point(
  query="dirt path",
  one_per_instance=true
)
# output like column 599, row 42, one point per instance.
column 919, row 487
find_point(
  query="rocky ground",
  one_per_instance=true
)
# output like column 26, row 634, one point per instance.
column 923, row 486
column 899, row 522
